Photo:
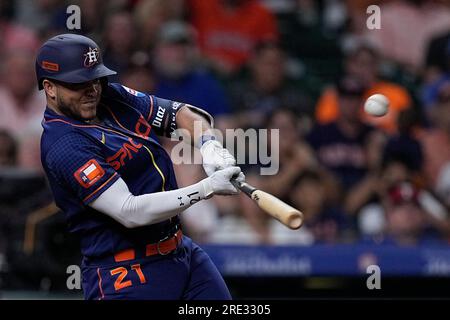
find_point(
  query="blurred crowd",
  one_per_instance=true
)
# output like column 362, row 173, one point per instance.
column 304, row 67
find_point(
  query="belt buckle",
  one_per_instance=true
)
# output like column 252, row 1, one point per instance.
column 159, row 242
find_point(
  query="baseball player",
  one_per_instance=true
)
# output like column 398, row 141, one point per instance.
column 116, row 184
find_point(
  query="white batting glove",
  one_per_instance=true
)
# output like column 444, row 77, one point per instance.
column 219, row 182
column 215, row 157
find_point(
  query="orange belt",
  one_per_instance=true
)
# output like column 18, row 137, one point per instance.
column 162, row 247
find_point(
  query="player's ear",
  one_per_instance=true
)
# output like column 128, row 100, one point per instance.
column 49, row 88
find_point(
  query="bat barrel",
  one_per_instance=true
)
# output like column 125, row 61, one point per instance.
column 287, row 215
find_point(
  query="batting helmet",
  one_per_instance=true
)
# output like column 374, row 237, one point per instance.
column 70, row 58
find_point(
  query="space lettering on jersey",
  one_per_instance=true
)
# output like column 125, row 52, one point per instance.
column 125, row 153
column 142, row 127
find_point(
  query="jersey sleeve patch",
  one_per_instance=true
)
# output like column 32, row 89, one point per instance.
column 89, row 173
column 133, row 92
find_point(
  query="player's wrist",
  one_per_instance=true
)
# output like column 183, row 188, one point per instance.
column 207, row 188
column 206, row 140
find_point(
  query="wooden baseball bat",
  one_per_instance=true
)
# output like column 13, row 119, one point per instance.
column 287, row 215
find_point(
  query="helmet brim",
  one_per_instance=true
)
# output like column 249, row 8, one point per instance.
column 80, row 76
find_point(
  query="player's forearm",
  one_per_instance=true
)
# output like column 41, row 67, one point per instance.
column 189, row 118
column 135, row 211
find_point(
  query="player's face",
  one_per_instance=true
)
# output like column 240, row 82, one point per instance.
column 79, row 100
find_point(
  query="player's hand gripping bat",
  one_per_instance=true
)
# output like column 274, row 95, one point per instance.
column 281, row 211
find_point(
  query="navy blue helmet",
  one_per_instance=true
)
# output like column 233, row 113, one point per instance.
column 70, row 58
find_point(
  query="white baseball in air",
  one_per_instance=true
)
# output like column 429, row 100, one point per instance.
column 377, row 105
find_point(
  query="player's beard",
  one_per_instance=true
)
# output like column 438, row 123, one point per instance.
column 72, row 110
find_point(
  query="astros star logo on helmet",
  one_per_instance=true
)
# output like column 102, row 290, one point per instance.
column 91, row 57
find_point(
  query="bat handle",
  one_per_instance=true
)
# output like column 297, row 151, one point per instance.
column 243, row 186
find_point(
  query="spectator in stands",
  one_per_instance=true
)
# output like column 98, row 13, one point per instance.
column 310, row 32
column 140, row 78
column 362, row 61
column 402, row 159
column 347, row 147
column 294, row 153
column 364, row 202
column 407, row 222
column 91, row 21
column 8, row 150
column 229, row 29
column 443, row 184
column 41, row 16
column 21, row 106
column 372, row 218
column 404, row 145
column 438, row 55
column 267, row 88
column 179, row 75
column 16, row 37
column 436, row 139
column 149, row 15
column 406, row 28
column 119, row 37
column 323, row 221
column 437, row 73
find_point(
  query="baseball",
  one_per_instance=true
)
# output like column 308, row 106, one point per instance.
column 377, row 105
